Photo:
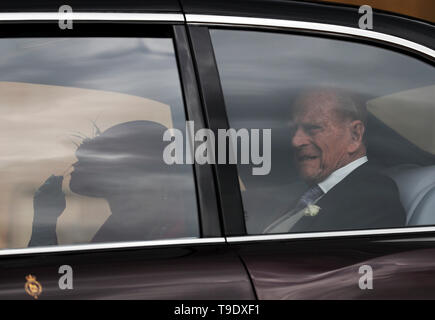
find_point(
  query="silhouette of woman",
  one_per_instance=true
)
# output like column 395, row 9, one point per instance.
column 123, row 165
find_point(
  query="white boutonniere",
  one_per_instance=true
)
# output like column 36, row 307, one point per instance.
column 311, row 210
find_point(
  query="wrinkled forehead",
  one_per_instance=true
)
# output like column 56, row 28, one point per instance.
column 314, row 108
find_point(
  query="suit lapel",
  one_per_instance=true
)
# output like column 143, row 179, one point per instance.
column 328, row 204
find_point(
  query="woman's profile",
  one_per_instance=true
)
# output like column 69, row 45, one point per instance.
column 123, row 165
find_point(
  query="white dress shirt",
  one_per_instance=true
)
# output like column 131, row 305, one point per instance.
column 340, row 174
column 287, row 221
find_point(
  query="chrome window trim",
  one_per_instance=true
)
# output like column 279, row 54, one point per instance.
column 303, row 25
column 101, row 16
column 214, row 20
column 92, row 16
column 111, row 245
column 194, row 19
column 329, row 234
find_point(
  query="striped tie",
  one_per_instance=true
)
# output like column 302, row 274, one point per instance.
column 287, row 221
column 309, row 197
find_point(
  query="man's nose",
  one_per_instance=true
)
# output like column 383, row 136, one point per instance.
column 300, row 138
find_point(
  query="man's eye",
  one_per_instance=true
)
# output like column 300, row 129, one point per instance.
column 312, row 129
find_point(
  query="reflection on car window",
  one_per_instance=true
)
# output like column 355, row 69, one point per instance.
column 352, row 138
column 83, row 121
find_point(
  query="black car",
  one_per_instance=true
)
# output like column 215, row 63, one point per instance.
column 93, row 94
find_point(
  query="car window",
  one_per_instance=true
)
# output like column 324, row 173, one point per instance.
column 82, row 122
column 353, row 143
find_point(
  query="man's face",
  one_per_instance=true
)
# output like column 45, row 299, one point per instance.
column 320, row 140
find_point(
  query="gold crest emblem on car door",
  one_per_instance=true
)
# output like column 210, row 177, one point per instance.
column 33, row 287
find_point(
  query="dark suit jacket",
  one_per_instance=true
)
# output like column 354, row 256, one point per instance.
column 364, row 199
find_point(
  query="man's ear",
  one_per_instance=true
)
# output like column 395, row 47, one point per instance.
column 356, row 129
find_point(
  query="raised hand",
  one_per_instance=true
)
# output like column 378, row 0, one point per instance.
column 48, row 205
column 49, row 199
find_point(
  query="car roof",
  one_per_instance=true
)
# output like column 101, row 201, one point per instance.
column 311, row 11
column 320, row 12
column 91, row 5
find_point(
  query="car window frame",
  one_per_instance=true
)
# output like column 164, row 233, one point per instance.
column 45, row 24
column 231, row 204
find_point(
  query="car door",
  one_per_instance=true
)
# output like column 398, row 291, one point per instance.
column 259, row 66
column 89, row 208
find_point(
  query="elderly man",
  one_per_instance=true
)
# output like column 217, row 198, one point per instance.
column 345, row 192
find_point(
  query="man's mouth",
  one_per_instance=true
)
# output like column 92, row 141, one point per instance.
column 302, row 158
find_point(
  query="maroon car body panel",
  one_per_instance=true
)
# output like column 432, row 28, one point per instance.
column 322, row 268
column 184, row 272
column 330, row 268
